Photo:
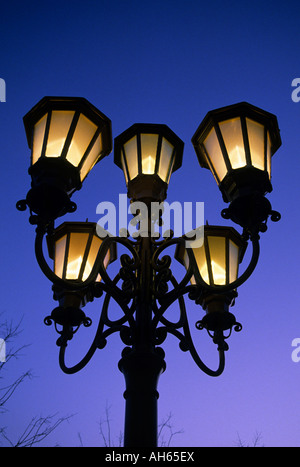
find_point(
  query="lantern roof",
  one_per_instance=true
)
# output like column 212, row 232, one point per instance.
column 79, row 104
column 149, row 128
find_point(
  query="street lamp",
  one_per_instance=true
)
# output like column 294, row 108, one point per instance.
column 236, row 143
column 67, row 137
column 74, row 247
column 217, row 258
column 216, row 263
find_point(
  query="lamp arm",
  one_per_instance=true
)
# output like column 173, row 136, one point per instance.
column 185, row 338
column 99, row 342
column 196, row 357
column 79, row 366
column 101, row 335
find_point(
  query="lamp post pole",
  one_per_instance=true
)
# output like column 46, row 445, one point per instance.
column 143, row 363
column 141, row 369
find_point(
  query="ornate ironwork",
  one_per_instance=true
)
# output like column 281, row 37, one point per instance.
column 144, row 265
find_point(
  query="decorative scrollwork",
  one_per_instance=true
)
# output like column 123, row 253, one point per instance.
column 128, row 276
column 125, row 289
column 161, row 281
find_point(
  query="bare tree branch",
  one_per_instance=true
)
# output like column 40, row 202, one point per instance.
column 36, row 431
column 39, row 427
column 256, row 442
column 8, row 332
column 8, row 391
column 166, row 427
column 105, row 429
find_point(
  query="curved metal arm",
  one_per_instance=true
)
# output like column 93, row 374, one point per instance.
column 82, row 363
column 186, row 342
column 99, row 341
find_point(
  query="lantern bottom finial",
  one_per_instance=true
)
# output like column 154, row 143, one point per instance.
column 251, row 212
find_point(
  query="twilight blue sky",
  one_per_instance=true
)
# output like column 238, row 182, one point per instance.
column 160, row 62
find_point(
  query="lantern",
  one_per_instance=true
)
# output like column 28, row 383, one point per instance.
column 74, row 247
column 217, row 259
column 67, row 136
column 236, row 143
column 148, row 155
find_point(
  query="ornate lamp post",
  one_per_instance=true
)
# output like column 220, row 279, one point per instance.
column 67, row 137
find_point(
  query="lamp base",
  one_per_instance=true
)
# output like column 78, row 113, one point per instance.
column 251, row 212
column 147, row 188
column 217, row 321
column 49, row 202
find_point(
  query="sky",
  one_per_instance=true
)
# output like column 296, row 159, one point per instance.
column 156, row 62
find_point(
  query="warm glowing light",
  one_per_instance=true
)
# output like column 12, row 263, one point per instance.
column 149, row 165
column 73, row 268
column 55, row 147
column 237, row 157
column 219, row 273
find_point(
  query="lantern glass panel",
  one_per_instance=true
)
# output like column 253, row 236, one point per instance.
column 256, row 133
column 95, row 245
column 233, row 138
column 77, row 247
column 214, row 152
column 149, row 151
column 92, row 158
column 171, row 170
column 217, row 249
column 38, row 138
column 124, row 168
column 165, row 159
column 130, row 149
column 186, row 263
column 60, row 249
column 200, row 257
column 85, row 130
column 233, row 261
column 269, row 155
column 59, row 127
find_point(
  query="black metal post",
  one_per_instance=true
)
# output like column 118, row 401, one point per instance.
column 141, row 372
column 143, row 363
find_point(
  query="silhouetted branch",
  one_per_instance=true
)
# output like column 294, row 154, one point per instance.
column 166, row 429
column 105, row 430
column 39, row 427
column 36, row 431
column 257, row 438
